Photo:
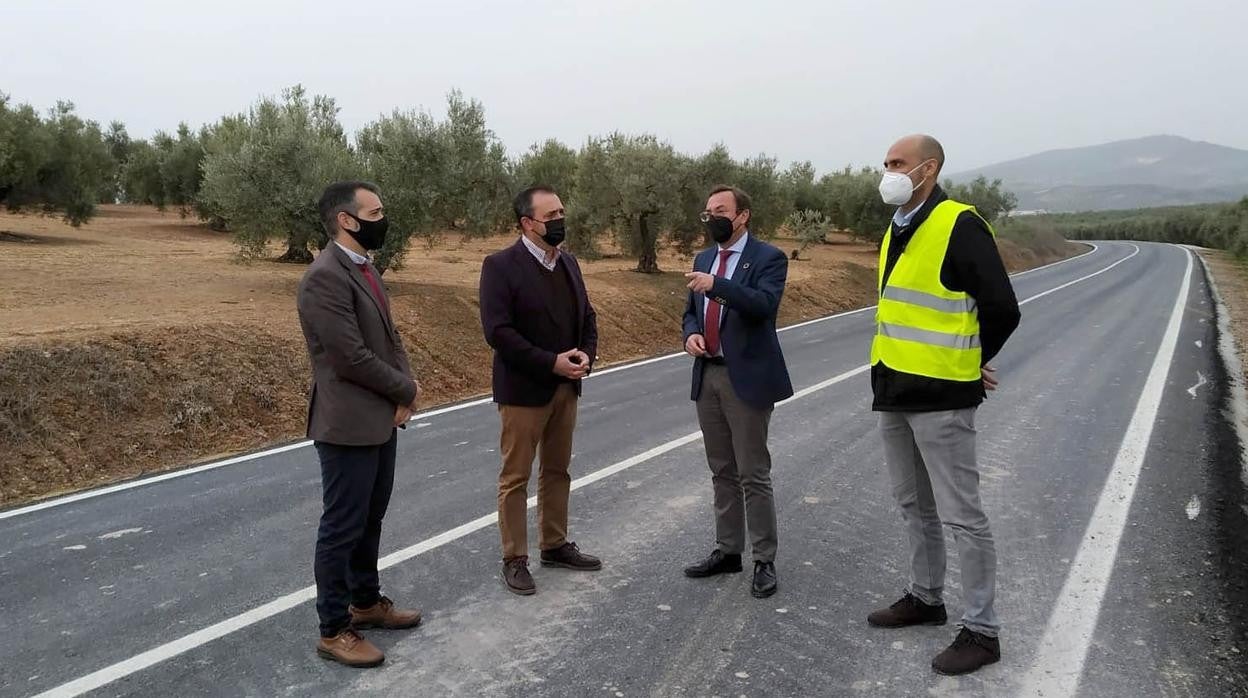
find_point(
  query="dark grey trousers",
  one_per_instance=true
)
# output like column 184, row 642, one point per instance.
column 735, row 435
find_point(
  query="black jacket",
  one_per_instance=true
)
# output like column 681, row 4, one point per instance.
column 973, row 266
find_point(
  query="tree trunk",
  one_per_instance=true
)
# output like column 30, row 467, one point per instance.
column 296, row 255
column 648, row 259
column 296, row 250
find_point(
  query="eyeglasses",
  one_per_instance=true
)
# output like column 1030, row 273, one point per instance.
column 706, row 216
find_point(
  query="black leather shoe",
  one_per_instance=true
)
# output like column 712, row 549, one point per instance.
column 764, row 579
column 969, row 652
column 907, row 611
column 571, row 557
column 717, row 563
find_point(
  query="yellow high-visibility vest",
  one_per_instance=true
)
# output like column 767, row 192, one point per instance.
column 921, row 327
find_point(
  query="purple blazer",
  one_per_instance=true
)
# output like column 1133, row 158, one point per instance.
column 520, row 326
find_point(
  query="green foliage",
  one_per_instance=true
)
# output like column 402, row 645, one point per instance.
column 437, row 175
column 119, row 147
column 60, row 163
column 181, row 167
column 770, row 202
column 853, row 202
column 263, row 172
column 552, row 163
column 476, row 196
column 809, row 227
column 698, row 176
column 259, row 175
column 167, row 171
column 630, row 186
column 988, row 198
column 140, row 176
column 1224, row 226
column 406, row 155
column 24, row 153
column 802, row 188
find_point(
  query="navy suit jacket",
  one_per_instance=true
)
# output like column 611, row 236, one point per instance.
column 750, row 300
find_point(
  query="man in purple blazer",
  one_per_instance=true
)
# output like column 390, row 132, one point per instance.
column 537, row 317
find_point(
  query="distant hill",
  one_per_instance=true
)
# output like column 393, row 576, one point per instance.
column 1137, row 173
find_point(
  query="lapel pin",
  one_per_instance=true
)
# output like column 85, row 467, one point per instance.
column 745, row 266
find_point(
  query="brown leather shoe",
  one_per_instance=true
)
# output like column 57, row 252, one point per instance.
column 571, row 557
column 906, row 612
column 517, row 578
column 350, row 648
column 969, row 651
column 383, row 614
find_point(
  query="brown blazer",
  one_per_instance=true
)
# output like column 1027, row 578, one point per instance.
column 360, row 372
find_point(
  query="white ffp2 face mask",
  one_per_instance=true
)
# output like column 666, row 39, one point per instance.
column 896, row 187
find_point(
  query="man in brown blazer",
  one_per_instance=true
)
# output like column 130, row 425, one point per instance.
column 362, row 389
column 537, row 317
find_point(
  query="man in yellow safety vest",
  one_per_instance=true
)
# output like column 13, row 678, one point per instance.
column 946, row 307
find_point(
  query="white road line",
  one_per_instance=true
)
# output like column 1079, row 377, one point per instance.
column 1093, row 247
column 89, row 494
column 1097, row 273
column 107, row 675
column 142, row 482
column 1063, row 649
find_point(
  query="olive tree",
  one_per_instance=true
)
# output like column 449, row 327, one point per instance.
column 630, row 186
column 264, row 171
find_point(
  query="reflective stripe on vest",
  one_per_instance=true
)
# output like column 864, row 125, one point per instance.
column 922, row 327
column 940, row 339
column 927, row 300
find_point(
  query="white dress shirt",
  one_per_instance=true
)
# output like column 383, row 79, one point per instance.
column 540, row 254
column 355, row 256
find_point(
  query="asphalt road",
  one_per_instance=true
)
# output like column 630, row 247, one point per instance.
column 1109, row 472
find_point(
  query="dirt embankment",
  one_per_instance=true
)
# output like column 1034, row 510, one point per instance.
column 139, row 343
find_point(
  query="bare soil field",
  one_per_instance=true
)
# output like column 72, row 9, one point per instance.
column 1231, row 276
column 140, row 342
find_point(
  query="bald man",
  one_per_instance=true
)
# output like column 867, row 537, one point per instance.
column 946, row 309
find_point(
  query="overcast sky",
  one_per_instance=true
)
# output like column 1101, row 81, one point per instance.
column 834, row 82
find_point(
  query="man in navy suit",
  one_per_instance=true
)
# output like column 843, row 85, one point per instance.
column 738, row 377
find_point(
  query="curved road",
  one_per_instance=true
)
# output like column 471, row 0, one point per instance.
column 1110, row 477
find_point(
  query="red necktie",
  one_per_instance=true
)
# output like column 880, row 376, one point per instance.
column 377, row 294
column 712, row 310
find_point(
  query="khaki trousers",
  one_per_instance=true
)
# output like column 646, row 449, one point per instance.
column 525, row 430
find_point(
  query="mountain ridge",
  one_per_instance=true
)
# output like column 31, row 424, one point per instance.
column 1161, row 170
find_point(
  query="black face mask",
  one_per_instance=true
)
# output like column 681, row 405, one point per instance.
column 720, row 228
column 372, row 234
column 555, row 233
